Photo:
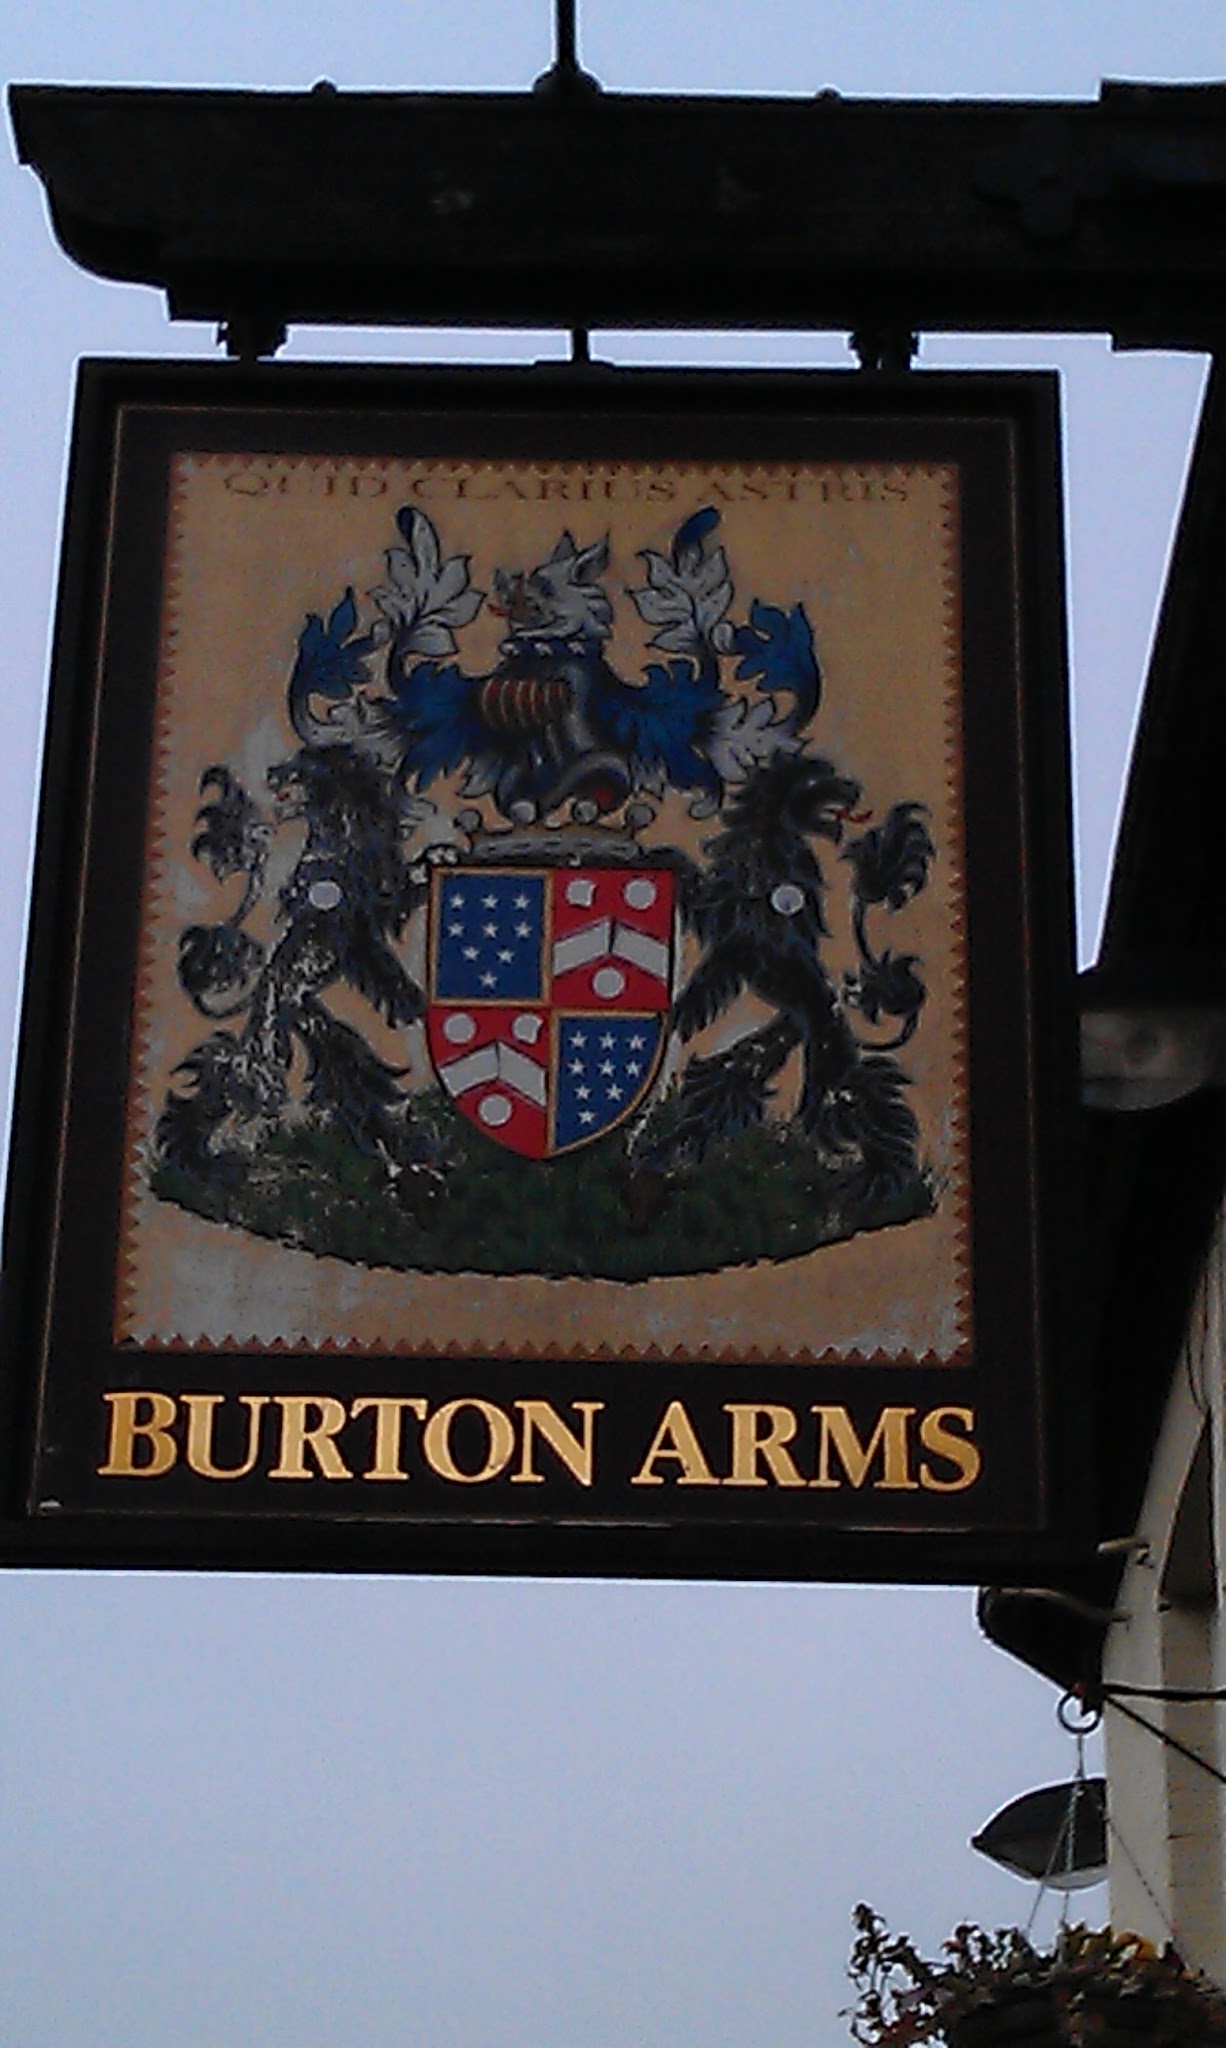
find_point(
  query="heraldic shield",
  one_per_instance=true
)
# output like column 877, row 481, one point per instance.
column 549, row 998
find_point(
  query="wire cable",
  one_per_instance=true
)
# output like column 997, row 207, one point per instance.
column 1079, row 1789
column 1163, row 1916
column 1063, row 1848
column 1171, row 1741
column 1178, row 1693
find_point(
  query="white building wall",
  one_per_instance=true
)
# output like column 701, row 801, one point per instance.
column 1165, row 1813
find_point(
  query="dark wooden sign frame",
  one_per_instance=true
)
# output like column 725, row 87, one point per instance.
column 829, row 1459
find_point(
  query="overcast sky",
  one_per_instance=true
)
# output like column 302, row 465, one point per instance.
column 401, row 1814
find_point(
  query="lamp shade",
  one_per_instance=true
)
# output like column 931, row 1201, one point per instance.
column 1056, row 1835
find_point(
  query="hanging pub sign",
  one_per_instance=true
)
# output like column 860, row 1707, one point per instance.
column 548, row 1031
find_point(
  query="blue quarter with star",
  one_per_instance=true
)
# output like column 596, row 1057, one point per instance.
column 604, row 1064
column 490, row 935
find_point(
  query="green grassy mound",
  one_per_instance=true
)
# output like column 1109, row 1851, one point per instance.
column 766, row 1194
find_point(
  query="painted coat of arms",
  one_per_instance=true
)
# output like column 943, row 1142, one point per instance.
column 553, row 927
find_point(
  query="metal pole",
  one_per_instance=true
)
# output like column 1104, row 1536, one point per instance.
column 566, row 55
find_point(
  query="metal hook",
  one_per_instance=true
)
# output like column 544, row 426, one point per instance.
column 1091, row 1717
